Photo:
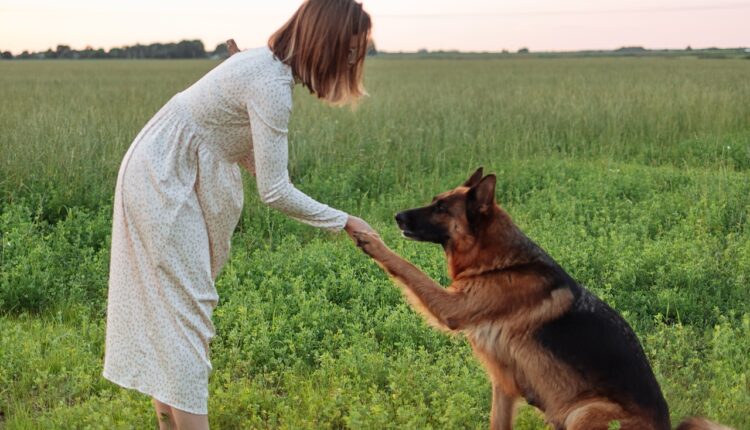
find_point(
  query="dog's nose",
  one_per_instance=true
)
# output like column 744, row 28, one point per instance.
column 400, row 218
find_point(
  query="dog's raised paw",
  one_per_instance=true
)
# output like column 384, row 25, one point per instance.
column 369, row 243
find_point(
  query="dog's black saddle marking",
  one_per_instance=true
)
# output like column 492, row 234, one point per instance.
column 597, row 342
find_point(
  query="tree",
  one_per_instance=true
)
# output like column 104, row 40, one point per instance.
column 116, row 53
column 188, row 49
column 87, row 53
column 523, row 51
column 7, row 55
column 220, row 51
column 631, row 49
column 63, row 51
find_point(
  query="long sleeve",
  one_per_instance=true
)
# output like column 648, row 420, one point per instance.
column 269, row 108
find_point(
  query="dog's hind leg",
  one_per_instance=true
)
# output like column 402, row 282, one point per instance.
column 602, row 414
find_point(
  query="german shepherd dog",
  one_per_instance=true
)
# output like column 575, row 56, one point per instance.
column 539, row 334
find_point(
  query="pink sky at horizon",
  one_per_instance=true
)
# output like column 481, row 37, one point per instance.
column 471, row 25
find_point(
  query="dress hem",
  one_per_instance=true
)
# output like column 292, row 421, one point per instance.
column 142, row 390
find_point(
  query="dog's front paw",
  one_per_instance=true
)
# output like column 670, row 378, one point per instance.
column 370, row 243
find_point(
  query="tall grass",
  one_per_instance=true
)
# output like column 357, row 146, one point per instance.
column 632, row 173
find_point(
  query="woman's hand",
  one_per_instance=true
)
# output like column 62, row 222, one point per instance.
column 367, row 239
column 355, row 225
column 232, row 47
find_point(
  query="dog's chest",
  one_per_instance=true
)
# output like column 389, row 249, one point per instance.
column 496, row 341
column 505, row 350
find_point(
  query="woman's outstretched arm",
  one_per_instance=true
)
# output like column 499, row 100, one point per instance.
column 269, row 108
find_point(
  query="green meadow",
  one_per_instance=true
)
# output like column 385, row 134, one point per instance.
column 632, row 173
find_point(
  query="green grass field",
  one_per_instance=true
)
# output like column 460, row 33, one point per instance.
column 633, row 173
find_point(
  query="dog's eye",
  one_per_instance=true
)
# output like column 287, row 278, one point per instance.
column 440, row 207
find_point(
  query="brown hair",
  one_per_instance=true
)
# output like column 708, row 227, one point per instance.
column 315, row 43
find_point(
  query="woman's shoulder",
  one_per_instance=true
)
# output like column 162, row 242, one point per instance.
column 255, row 77
column 269, row 85
column 258, row 54
column 263, row 63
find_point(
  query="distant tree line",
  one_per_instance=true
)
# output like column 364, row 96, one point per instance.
column 625, row 51
column 183, row 49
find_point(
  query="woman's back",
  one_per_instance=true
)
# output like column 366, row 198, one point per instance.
column 220, row 104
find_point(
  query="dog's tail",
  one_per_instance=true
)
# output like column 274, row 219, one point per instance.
column 700, row 424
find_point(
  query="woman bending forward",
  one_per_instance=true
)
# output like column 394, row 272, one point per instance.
column 179, row 196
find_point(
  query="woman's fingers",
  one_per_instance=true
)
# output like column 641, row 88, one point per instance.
column 232, row 47
column 358, row 225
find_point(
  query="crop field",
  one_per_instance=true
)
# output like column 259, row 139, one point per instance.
column 634, row 174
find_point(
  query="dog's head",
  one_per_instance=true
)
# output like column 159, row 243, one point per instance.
column 457, row 218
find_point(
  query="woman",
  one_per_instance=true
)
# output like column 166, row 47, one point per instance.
column 179, row 195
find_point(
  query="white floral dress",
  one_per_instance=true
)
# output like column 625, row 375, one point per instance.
column 177, row 201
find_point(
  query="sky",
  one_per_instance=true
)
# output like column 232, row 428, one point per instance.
column 399, row 25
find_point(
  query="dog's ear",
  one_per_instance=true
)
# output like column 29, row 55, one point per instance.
column 481, row 197
column 475, row 178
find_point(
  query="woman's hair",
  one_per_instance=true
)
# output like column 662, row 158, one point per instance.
column 316, row 42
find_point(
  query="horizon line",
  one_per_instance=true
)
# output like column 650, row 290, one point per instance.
column 460, row 51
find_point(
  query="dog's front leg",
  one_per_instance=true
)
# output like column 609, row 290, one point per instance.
column 503, row 407
column 442, row 307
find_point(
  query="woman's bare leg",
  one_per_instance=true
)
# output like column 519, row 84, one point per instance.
column 188, row 421
column 164, row 416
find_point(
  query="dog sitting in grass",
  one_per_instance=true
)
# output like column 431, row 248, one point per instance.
column 539, row 334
